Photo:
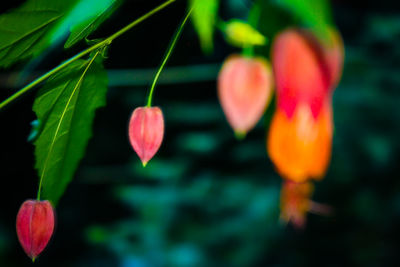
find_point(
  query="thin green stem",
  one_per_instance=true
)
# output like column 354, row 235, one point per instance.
column 142, row 18
column 168, row 54
column 221, row 25
column 254, row 16
column 248, row 51
column 103, row 43
column 78, row 84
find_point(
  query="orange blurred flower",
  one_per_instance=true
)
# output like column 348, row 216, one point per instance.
column 300, row 147
column 306, row 71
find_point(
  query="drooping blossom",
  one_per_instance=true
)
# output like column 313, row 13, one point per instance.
column 306, row 72
column 35, row 226
column 244, row 91
column 146, row 132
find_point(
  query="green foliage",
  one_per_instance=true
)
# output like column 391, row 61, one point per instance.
column 241, row 34
column 30, row 29
column 66, row 107
column 312, row 13
column 82, row 29
column 204, row 19
column 182, row 222
column 272, row 19
column 23, row 31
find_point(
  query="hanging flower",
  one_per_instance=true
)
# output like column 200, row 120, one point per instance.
column 35, row 226
column 306, row 72
column 244, row 91
column 146, row 132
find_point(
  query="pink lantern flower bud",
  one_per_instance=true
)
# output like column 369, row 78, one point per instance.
column 146, row 132
column 35, row 226
column 244, row 91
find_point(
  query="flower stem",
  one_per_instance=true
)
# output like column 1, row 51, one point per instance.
column 168, row 54
column 253, row 19
column 103, row 43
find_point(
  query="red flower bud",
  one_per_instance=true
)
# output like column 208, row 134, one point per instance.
column 244, row 90
column 146, row 131
column 35, row 226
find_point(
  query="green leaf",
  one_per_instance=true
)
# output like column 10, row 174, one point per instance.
column 269, row 19
column 313, row 13
column 66, row 107
column 204, row 19
column 99, row 12
column 241, row 34
column 23, row 30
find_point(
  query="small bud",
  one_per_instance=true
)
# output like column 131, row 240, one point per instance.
column 244, row 91
column 242, row 34
column 35, row 226
column 146, row 132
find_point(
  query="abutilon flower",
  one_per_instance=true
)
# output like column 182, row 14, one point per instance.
column 244, row 91
column 146, row 132
column 306, row 72
column 35, row 226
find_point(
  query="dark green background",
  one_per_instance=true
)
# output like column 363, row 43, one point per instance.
column 207, row 199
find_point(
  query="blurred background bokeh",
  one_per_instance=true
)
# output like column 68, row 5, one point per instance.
column 208, row 199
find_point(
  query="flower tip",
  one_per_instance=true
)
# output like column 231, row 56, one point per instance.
column 298, row 224
column 240, row 135
column 144, row 163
